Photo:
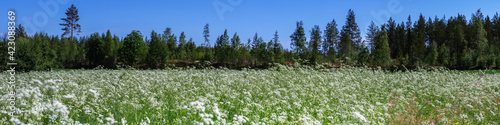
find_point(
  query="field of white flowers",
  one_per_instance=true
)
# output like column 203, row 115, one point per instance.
column 218, row 96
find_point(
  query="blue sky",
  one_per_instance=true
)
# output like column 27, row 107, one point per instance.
column 243, row 16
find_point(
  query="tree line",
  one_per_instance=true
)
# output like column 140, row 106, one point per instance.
column 453, row 42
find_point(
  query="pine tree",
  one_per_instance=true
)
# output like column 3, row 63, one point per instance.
column 206, row 35
column 298, row 39
column 350, row 39
column 372, row 33
column 331, row 40
column 71, row 22
column 207, row 51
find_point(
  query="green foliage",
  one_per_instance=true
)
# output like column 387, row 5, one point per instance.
column 36, row 53
column 350, row 39
column 417, row 46
column 372, row 33
column 157, row 52
column 235, row 46
column 455, row 43
column 70, row 23
column 432, row 57
column 314, row 44
column 222, row 49
column 171, row 41
column 364, row 56
column 3, row 54
column 382, row 53
column 109, row 51
column 478, row 40
column 298, row 41
column 331, row 41
column 277, row 49
column 444, row 55
column 133, row 49
column 95, row 50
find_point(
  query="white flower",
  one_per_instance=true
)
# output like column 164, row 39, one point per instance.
column 360, row 116
column 111, row 120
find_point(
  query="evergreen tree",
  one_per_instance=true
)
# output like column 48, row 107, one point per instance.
column 331, row 40
column 418, row 48
column 409, row 37
column 157, row 51
column 372, row 33
column 439, row 31
column 277, row 48
column 171, row 41
column 382, row 53
column 495, row 44
column 133, row 48
column 221, row 48
column 479, row 42
column 181, row 49
column 488, row 27
column 234, row 49
column 432, row 57
column 315, row 43
column 364, row 56
column 20, row 31
column 191, row 50
column 206, row 35
column 391, row 33
column 444, row 55
column 95, row 50
column 70, row 23
column 269, row 56
column 207, row 52
column 401, row 40
column 350, row 40
column 298, row 39
column 109, row 47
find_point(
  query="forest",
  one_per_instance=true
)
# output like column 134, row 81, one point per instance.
column 449, row 42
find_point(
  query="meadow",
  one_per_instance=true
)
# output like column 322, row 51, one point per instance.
column 274, row 96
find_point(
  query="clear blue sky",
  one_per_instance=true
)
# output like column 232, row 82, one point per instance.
column 243, row 16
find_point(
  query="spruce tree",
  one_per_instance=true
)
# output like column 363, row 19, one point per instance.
column 315, row 44
column 382, row 53
column 331, row 40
